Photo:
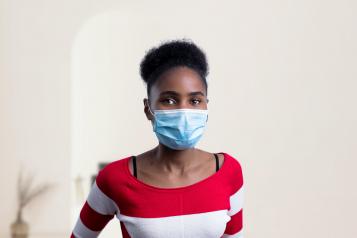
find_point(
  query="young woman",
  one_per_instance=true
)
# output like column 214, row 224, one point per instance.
column 175, row 189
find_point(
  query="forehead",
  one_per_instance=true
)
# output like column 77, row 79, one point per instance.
column 181, row 79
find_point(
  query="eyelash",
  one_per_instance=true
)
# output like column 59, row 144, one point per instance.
column 167, row 99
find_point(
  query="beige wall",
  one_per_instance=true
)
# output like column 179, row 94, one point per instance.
column 281, row 91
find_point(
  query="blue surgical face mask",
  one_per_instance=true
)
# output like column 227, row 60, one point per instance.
column 179, row 129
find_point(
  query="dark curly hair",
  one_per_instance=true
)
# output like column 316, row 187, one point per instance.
column 170, row 54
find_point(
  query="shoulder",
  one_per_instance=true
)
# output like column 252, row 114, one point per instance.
column 234, row 161
column 111, row 174
column 234, row 171
column 231, row 159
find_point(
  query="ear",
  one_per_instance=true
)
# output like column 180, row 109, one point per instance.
column 146, row 109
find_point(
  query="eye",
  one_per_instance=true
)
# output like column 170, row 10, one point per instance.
column 196, row 101
column 168, row 100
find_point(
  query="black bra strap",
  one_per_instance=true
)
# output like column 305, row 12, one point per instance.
column 134, row 164
column 217, row 162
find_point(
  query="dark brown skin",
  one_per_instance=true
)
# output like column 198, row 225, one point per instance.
column 162, row 166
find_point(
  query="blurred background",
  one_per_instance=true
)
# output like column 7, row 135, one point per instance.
column 282, row 90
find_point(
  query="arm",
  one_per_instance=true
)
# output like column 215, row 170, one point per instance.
column 234, row 228
column 96, row 212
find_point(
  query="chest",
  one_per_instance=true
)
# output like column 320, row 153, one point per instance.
column 200, row 225
column 197, row 211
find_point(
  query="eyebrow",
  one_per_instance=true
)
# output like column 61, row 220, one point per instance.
column 177, row 94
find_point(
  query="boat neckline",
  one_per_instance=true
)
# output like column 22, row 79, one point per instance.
column 181, row 188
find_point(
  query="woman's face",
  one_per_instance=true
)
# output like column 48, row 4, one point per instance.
column 178, row 87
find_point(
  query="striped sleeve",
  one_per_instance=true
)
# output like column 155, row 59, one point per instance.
column 234, row 228
column 96, row 212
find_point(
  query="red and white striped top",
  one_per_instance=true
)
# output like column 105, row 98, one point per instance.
column 210, row 208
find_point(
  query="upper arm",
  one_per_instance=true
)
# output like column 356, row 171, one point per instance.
column 234, row 228
column 96, row 212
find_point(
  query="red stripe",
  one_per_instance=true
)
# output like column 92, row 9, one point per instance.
column 162, row 203
column 235, row 224
column 92, row 219
column 125, row 233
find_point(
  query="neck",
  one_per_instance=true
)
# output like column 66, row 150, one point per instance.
column 176, row 161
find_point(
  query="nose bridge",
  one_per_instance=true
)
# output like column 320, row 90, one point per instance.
column 184, row 104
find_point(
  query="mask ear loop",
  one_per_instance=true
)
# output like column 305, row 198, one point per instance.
column 207, row 114
column 150, row 109
column 153, row 115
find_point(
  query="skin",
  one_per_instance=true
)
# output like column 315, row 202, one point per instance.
column 162, row 166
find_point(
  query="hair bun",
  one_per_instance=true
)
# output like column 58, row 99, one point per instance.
column 173, row 53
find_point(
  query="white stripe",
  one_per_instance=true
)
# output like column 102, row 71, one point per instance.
column 239, row 234
column 198, row 225
column 81, row 231
column 236, row 200
column 100, row 202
